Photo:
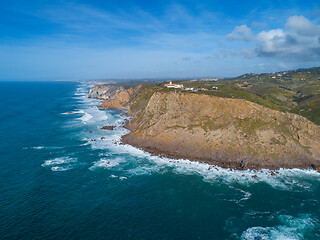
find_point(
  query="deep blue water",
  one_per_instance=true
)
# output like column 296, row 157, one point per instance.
column 56, row 182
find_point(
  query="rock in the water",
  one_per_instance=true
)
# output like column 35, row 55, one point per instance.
column 102, row 138
column 69, row 112
column 108, row 127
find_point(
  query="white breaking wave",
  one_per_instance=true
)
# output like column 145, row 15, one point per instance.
column 146, row 170
column 286, row 179
column 86, row 117
column 291, row 228
column 43, row 147
column 61, row 169
column 93, row 114
column 107, row 163
column 60, row 164
column 73, row 112
column 84, row 144
column 247, row 195
column 38, row 147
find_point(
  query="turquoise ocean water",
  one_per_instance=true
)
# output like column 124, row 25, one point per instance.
column 60, row 180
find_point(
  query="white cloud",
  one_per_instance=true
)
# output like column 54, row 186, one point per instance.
column 272, row 41
column 299, row 39
column 302, row 26
column 242, row 33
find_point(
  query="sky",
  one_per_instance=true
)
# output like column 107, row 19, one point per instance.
column 99, row 39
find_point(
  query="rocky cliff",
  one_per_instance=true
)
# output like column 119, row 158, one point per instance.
column 120, row 100
column 105, row 91
column 228, row 132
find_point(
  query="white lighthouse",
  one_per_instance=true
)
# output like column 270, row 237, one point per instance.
column 171, row 85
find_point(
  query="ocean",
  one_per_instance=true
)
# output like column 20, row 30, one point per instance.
column 62, row 177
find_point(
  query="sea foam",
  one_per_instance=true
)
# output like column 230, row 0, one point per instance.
column 60, row 163
column 61, row 169
column 290, row 228
column 107, row 163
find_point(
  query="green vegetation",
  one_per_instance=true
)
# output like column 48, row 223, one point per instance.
column 310, row 110
column 296, row 91
column 142, row 97
column 250, row 125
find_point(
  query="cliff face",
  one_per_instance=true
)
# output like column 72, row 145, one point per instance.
column 105, row 91
column 228, row 132
column 120, row 100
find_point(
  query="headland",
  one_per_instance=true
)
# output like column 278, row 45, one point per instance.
column 243, row 132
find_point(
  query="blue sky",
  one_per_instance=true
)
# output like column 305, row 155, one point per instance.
column 48, row 40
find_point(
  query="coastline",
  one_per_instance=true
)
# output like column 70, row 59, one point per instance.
column 220, row 159
column 162, row 128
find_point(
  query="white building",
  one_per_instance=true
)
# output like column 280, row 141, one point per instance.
column 171, row 85
column 189, row 89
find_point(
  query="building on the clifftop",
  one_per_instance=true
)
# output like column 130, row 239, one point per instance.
column 190, row 89
column 172, row 85
column 202, row 89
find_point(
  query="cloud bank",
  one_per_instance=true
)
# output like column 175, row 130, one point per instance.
column 299, row 38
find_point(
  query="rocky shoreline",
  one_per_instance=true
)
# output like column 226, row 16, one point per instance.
column 219, row 158
column 230, row 133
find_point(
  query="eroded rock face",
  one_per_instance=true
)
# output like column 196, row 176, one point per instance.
column 120, row 100
column 228, row 132
column 105, row 91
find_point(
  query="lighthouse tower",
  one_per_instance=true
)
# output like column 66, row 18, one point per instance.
column 170, row 82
